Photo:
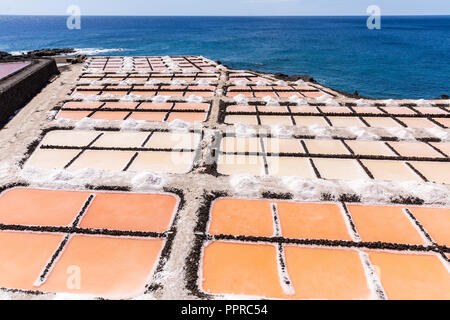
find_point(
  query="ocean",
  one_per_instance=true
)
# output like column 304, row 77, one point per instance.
column 408, row 58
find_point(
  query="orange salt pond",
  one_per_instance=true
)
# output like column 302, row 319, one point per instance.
column 272, row 234
column 96, row 259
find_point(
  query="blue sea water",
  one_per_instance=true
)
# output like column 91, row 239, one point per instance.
column 408, row 58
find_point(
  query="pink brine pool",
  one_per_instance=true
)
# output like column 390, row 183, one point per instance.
column 9, row 68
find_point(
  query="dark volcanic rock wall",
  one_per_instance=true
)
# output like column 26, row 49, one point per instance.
column 17, row 90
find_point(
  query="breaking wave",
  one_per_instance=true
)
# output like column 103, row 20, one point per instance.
column 95, row 51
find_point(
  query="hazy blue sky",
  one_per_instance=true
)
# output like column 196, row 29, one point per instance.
column 227, row 7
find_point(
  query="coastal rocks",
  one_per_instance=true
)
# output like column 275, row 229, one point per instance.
column 38, row 54
column 49, row 52
column 294, row 78
column 79, row 59
column 4, row 55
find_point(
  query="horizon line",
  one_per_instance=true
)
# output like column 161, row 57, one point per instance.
column 305, row 15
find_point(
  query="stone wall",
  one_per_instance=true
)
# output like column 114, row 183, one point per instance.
column 17, row 90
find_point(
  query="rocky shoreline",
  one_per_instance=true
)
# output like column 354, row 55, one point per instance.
column 37, row 53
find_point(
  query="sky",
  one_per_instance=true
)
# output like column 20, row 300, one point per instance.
column 228, row 7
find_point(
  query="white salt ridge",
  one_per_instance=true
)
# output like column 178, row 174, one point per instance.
column 147, row 180
column 281, row 83
column 107, row 96
column 76, row 96
column 374, row 191
column 362, row 103
column 370, row 191
column 240, row 83
column 151, row 82
column 406, row 134
column 125, row 83
column 90, row 98
column 194, row 99
column 261, row 83
column 429, row 192
column 42, row 177
column 76, row 179
column 128, row 124
column 363, row 134
column 4, row 295
column 241, row 130
column 173, row 66
column 87, row 124
column 391, row 103
column 331, row 102
column 294, row 99
column 129, row 98
column 189, row 70
column 177, row 82
column 281, row 131
column 443, row 134
column 271, row 101
column 160, row 99
column 422, row 103
column 301, row 83
column 299, row 101
column 244, row 184
column 95, row 83
column 310, row 190
column 323, row 99
column 203, row 82
column 146, row 98
column 241, row 99
column 320, row 131
column 64, row 122
column 179, row 125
